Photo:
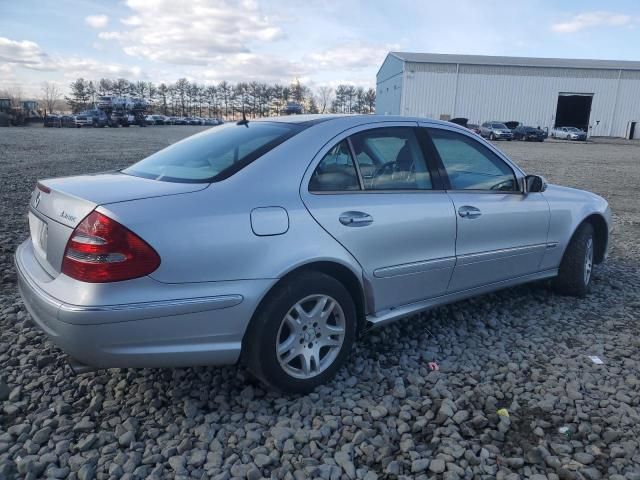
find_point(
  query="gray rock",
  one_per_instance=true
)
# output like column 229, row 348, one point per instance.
column 126, row 439
column 444, row 413
column 41, row 436
column 4, row 391
column 393, row 468
column 87, row 442
column 261, row 460
column 584, row 458
column 343, row 459
column 460, row 416
column 437, row 465
column 177, row 463
column 419, row 465
column 87, row 472
column 197, row 458
column 84, row 425
column 282, row 433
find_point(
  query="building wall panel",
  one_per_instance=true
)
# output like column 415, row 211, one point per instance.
column 389, row 86
column 527, row 94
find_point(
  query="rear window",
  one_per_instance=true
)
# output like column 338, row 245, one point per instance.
column 215, row 154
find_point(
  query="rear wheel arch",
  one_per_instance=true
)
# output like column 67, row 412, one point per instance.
column 340, row 272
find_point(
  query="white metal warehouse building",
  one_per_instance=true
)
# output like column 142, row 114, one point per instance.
column 601, row 95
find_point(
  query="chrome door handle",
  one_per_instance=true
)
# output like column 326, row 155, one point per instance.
column 468, row 211
column 355, row 219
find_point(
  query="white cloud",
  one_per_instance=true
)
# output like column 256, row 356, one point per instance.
column 247, row 67
column 97, row 21
column 592, row 19
column 28, row 55
column 24, row 52
column 92, row 69
column 352, row 55
column 193, row 33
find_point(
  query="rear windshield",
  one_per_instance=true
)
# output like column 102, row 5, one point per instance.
column 215, row 154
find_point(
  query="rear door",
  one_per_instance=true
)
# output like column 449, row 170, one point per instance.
column 502, row 232
column 373, row 191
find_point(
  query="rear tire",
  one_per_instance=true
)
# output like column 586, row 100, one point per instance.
column 301, row 334
column 576, row 268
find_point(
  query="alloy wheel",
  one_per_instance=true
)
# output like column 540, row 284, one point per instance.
column 588, row 261
column 310, row 336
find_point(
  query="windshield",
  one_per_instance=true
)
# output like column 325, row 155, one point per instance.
column 573, row 129
column 500, row 126
column 215, row 154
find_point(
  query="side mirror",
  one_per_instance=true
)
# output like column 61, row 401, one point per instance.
column 535, row 183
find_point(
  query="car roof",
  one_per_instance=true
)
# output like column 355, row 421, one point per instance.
column 314, row 119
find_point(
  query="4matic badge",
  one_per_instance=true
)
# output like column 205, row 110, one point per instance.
column 66, row 216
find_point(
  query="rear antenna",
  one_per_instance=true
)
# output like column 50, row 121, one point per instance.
column 244, row 120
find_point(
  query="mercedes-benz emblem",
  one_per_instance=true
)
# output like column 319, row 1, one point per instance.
column 37, row 200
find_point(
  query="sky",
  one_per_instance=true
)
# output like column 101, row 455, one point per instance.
column 319, row 42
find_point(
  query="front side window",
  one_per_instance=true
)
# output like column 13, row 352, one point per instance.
column 470, row 165
column 215, row 154
column 335, row 172
column 391, row 159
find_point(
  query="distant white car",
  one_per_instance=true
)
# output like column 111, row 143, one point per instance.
column 568, row 133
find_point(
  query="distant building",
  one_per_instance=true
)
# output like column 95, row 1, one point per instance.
column 602, row 96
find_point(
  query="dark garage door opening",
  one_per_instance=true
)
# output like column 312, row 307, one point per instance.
column 574, row 110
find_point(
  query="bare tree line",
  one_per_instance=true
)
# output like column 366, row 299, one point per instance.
column 228, row 100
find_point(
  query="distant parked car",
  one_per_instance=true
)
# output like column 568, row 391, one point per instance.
column 69, row 121
column 475, row 128
column 52, row 121
column 158, row 119
column 179, row 121
column 568, row 133
column 525, row 133
column 211, row 121
column 123, row 119
column 460, row 121
column 92, row 118
column 495, row 131
column 193, row 121
column 149, row 120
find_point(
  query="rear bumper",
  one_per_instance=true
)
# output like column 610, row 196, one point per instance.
column 173, row 332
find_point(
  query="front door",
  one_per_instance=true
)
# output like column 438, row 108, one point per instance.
column 502, row 232
column 387, row 210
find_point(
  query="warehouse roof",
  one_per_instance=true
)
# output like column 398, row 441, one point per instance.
column 516, row 61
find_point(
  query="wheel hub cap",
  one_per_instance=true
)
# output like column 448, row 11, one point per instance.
column 310, row 336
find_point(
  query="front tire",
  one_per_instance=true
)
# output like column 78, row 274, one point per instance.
column 301, row 334
column 576, row 268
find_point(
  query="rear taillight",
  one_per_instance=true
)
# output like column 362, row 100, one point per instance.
column 101, row 250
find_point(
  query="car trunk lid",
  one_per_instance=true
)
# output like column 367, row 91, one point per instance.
column 58, row 205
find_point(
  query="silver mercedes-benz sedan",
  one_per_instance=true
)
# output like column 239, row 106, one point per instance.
column 279, row 241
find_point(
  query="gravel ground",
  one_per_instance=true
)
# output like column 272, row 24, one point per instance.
column 386, row 415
